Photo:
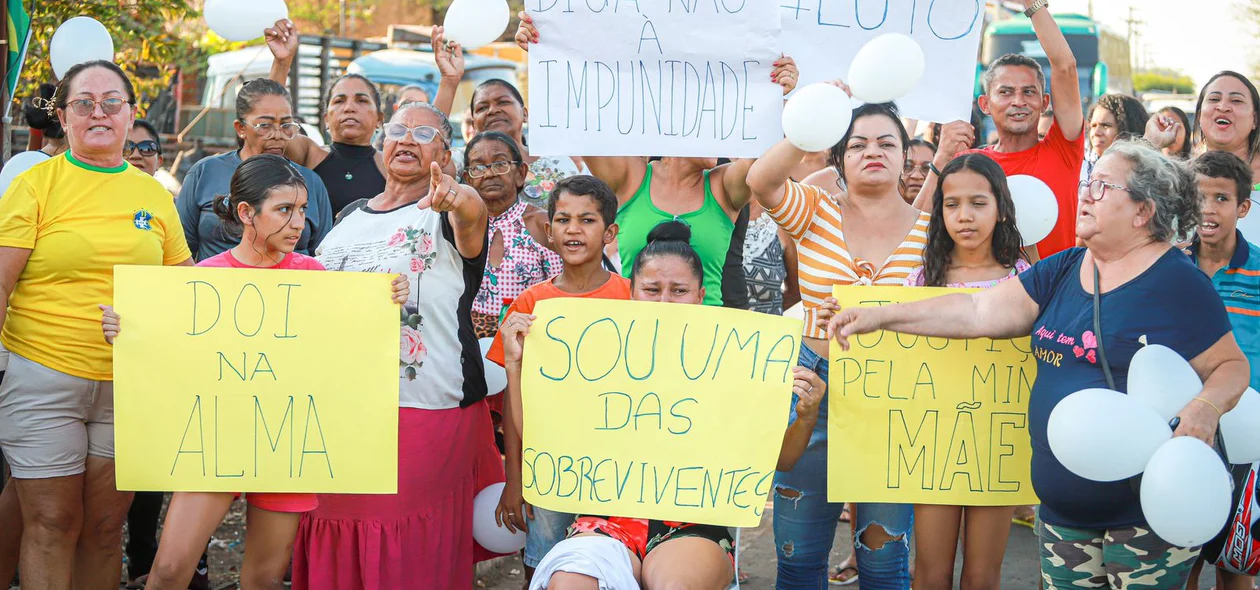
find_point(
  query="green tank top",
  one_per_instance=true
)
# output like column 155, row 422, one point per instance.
column 711, row 231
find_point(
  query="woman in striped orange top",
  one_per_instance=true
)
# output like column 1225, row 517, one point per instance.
column 878, row 240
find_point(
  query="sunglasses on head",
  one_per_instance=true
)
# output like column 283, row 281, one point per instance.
column 147, row 148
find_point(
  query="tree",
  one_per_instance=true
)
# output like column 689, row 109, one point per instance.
column 153, row 39
column 1164, row 80
column 326, row 16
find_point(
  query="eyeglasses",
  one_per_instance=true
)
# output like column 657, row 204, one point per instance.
column 84, row 107
column 269, row 130
column 423, row 134
column 1095, row 190
column 494, row 169
column 148, row 148
column 922, row 169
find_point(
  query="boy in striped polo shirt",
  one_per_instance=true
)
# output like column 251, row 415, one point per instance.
column 1233, row 264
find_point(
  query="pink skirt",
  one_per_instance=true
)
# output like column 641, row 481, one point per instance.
column 420, row 537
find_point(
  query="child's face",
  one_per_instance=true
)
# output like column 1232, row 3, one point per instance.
column 970, row 209
column 1222, row 208
column 578, row 230
column 280, row 221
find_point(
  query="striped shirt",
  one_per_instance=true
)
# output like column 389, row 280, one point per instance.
column 1238, row 284
column 812, row 218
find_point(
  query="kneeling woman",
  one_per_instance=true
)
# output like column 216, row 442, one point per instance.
column 615, row 552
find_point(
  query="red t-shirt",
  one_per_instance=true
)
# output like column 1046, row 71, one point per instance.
column 616, row 287
column 291, row 261
column 1056, row 162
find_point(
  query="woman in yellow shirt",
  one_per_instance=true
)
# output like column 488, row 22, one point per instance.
column 64, row 224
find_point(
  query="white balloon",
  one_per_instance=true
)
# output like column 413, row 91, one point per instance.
column 473, row 23
column 243, row 20
column 496, row 376
column 17, row 165
column 1161, row 379
column 1250, row 225
column 78, row 40
column 817, row 117
column 887, row 68
column 1240, row 427
column 1186, row 492
column 1104, row 435
column 486, row 531
column 1036, row 209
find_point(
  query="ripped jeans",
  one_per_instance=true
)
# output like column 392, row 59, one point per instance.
column 805, row 522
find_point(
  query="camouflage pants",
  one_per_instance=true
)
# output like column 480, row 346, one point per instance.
column 1126, row 558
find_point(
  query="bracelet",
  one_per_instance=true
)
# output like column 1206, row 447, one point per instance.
column 1038, row 5
column 934, row 169
column 1219, row 413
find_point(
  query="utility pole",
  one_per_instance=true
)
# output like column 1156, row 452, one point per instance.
column 1091, row 9
column 1133, row 36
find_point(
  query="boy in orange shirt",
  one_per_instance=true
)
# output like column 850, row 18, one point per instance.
column 582, row 217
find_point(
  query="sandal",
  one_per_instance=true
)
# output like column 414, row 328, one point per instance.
column 1022, row 518
column 838, row 576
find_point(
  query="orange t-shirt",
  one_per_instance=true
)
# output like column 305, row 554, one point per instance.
column 616, row 287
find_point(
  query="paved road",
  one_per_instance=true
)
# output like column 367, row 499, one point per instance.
column 1020, row 570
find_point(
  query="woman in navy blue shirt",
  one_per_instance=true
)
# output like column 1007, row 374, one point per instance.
column 1093, row 533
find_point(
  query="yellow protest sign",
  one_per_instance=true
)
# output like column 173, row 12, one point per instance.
column 247, row 380
column 919, row 420
column 651, row 410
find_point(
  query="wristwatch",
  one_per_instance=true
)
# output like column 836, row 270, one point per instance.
column 1038, row 5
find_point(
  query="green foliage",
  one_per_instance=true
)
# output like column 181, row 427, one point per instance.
column 153, row 39
column 1163, row 80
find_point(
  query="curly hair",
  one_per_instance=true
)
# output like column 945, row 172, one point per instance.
column 1130, row 115
column 1167, row 184
column 1006, row 241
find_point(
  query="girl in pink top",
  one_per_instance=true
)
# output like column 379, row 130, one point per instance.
column 267, row 205
column 973, row 242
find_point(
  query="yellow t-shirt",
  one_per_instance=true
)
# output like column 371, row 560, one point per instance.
column 79, row 221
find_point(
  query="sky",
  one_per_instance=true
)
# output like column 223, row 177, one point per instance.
column 1200, row 37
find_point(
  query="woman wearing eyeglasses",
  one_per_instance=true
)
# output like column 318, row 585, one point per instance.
column 264, row 125
column 432, row 229
column 64, row 225
column 520, row 252
column 1094, row 533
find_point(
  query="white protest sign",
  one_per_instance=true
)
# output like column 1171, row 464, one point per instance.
column 686, row 78
column 824, row 35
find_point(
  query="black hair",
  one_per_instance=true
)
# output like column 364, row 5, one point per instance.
column 1253, row 139
column 1012, row 59
column 919, row 142
column 1219, row 164
column 669, row 238
column 1130, row 115
column 835, row 157
column 61, row 97
column 585, row 185
column 38, row 114
column 252, row 183
column 249, row 95
column 1183, row 151
column 376, row 93
column 502, row 138
column 516, row 94
column 1007, row 244
column 151, row 130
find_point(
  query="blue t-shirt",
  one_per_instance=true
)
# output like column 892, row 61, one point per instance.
column 212, row 177
column 1171, row 303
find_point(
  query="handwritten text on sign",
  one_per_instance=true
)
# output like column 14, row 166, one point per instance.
column 824, row 35
column 650, row 410
column 659, row 77
column 255, row 381
column 928, row 420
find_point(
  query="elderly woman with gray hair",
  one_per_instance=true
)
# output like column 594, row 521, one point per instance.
column 1144, row 291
